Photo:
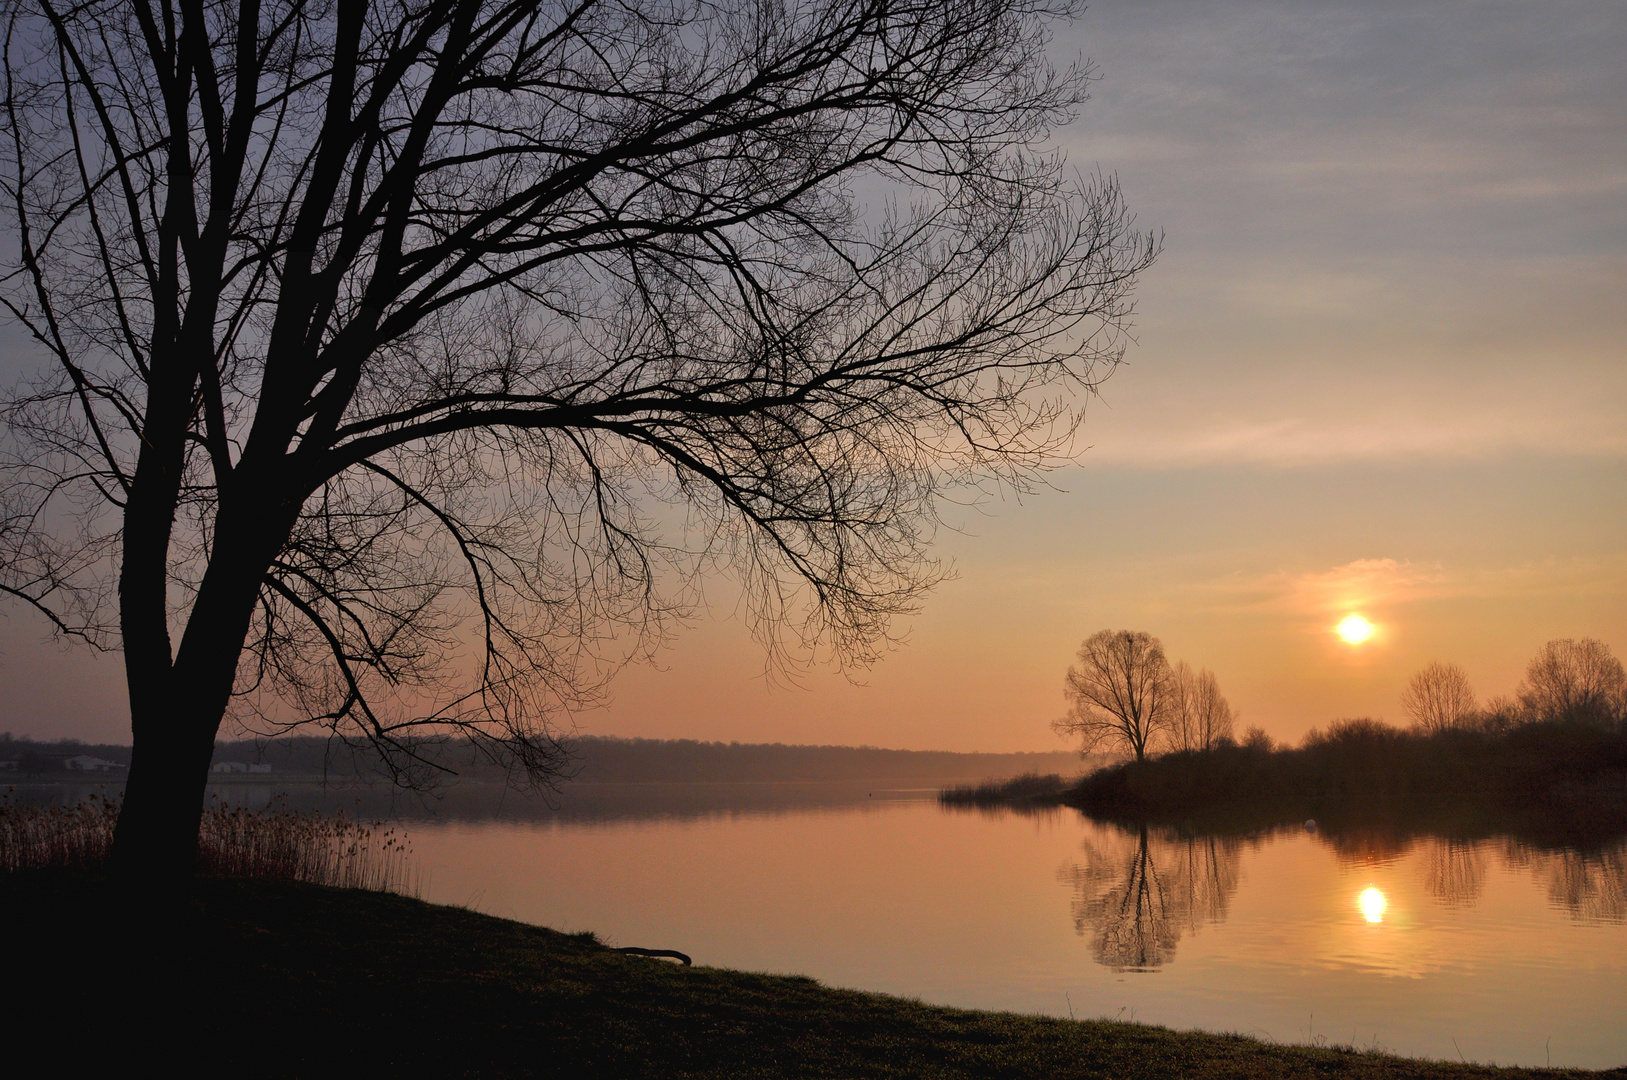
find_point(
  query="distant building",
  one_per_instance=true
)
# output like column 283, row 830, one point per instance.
column 261, row 767
column 86, row 763
column 229, row 767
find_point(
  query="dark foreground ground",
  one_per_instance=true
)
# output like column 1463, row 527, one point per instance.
column 261, row 978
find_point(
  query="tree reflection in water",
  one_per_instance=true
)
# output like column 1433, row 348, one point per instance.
column 1137, row 892
column 1454, row 871
column 1591, row 885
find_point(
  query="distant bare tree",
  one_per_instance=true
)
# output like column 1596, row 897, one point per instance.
column 1501, row 713
column 1201, row 716
column 1122, row 693
column 398, row 363
column 1574, row 680
column 1438, row 698
column 1257, row 738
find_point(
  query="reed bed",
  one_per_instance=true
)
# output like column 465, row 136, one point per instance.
column 270, row 844
column 1027, row 788
column 56, row 837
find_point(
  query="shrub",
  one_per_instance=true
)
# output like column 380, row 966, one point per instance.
column 1255, row 738
column 1359, row 729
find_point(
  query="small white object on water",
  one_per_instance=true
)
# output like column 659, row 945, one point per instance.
column 1310, row 824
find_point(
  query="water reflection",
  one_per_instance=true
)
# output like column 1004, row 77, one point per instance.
column 1136, row 893
column 1138, row 890
column 1592, row 886
column 1454, row 871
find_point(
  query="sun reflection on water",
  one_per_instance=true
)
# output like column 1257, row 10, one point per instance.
column 1372, row 904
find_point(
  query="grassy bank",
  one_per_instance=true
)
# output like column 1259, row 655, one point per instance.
column 278, row 978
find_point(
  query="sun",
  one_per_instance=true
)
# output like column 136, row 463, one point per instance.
column 1355, row 629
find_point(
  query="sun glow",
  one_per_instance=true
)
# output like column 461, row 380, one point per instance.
column 1355, row 629
column 1372, row 904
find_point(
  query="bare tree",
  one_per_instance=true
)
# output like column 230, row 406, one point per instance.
column 1500, row 713
column 1121, row 692
column 1439, row 697
column 1201, row 716
column 1570, row 680
column 398, row 356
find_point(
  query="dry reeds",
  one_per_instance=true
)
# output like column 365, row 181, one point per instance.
column 56, row 837
column 274, row 843
column 288, row 846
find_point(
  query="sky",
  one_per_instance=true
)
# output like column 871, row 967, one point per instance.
column 1380, row 367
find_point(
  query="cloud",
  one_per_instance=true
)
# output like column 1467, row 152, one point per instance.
column 1312, row 440
column 1384, row 585
column 1362, row 584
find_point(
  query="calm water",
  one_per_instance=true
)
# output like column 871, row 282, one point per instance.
column 1488, row 950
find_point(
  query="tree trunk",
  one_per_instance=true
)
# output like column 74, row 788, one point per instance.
column 176, row 708
column 156, row 839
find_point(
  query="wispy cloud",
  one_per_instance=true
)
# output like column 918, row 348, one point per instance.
column 1385, row 585
column 1311, row 440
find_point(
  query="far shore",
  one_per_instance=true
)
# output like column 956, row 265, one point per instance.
column 1548, row 783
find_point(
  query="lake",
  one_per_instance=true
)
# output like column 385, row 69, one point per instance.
column 1490, row 950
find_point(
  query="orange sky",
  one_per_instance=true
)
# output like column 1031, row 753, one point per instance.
column 1380, row 368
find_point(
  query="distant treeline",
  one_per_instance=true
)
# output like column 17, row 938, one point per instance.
column 1546, row 782
column 1570, row 777
column 595, row 759
column 32, row 757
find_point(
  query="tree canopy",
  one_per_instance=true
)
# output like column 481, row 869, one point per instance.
column 399, row 355
column 1439, row 697
column 1121, row 691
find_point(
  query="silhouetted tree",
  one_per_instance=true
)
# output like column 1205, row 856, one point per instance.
column 395, row 353
column 1500, row 713
column 1201, row 717
column 1121, row 692
column 1438, row 698
column 1570, row 680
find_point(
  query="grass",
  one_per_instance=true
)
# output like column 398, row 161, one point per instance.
column 276, row 978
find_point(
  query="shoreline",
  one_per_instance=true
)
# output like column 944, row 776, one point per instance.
column 1550, row 784
column 427, row 988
